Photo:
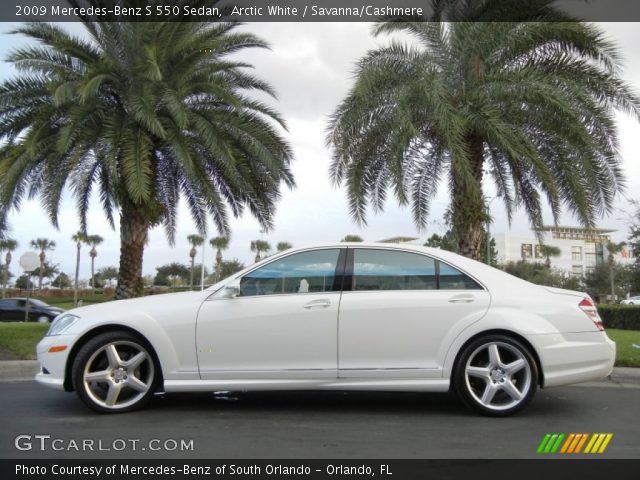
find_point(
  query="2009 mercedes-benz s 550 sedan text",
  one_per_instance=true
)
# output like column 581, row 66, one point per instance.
column 342, row 317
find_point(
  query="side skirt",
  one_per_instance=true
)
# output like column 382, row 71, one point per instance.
column 397, row 385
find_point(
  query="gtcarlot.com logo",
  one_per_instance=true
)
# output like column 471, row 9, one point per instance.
column 574, row 443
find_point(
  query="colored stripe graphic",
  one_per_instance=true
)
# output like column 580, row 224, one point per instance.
column 598, row 442
column 550, row 443
column 573, row 443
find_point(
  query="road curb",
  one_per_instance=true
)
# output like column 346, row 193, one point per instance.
column 625, row 375
column 19, row 370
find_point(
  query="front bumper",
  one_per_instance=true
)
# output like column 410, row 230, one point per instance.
column 570, row 358
column 53, row 364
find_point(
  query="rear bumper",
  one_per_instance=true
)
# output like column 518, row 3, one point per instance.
column 570, row 358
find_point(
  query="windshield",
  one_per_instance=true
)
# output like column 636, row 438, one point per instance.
column 38, row 303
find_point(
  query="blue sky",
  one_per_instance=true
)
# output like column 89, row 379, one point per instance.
column 311, row 66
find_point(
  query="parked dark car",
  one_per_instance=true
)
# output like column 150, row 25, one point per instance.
column 13, row 310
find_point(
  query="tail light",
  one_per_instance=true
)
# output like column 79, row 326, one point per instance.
column 587, row 306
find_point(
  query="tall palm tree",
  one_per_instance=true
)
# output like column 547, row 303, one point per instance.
column 527, row 104
column 143, row 113
column 259, row 246
column 8, row 245
column 220, row 244
column 195, row 241
column 42, row 244
column 80, row 238
column 613, row 249
column 93, row 240
column 282, row 246
column 548, row 251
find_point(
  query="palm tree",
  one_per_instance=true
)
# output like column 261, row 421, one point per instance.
column 528, row 104
column 195, row 241
column 282, row 246
column 548, row 251
column 42, row 244
column 352, row 238
column 47, row 271
column 108, row 274
column 137, row 112
column 259, row 246
column 80, row 238
column 8, row 245
column 93, row 240
column 220, row 244
column 613, row 249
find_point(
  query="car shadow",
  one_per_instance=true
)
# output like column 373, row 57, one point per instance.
column 308, row 402
column 554, row 403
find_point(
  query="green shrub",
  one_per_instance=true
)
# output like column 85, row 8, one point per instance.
column 624, row 317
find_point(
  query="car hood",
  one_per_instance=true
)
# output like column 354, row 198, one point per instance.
column 148, row 304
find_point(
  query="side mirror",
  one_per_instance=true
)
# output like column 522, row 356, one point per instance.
column 232, row 290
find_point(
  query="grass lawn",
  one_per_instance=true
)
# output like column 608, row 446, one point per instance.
column 626, row 355
column 18, row 342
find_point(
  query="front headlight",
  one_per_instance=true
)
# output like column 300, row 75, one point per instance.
column 61, row 323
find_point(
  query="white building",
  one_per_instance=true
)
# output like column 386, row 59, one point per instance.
column 581, row 249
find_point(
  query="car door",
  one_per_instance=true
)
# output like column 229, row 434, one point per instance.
column 401, row 311
column 4, row 310
column 283, row 323
column 15, row 310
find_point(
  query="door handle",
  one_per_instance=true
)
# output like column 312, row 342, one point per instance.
column 462, row 299
column 322, row 303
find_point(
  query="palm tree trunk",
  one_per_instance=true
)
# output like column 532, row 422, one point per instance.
column 41, row 270
column 468, row 212
column 193, row 259
column 134, row 227
column 75, row 288
column 93, row 276
column 5, row 277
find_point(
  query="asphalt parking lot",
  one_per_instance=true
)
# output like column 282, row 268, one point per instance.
column 313, row 425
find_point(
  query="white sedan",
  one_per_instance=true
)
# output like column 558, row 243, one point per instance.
column 336, row 317
column 631, row 301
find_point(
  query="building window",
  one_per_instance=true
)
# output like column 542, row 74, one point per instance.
column 593, row 254
column 576, row 254
column 539, row 251
column 599, row 253
column 526, row 250
column 576, row 270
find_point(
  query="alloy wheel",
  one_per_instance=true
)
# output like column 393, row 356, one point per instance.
column 498, row 376
column 118, row 375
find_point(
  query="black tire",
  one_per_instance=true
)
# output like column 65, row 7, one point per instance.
column 109, row 382
column 495, row 389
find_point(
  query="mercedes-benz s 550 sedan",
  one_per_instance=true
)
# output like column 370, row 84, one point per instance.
column 336, row 317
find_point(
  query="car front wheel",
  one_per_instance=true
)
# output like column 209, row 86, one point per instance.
column 496, row 375
column 114, row 372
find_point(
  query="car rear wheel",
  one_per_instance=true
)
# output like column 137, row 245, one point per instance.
column 115, row 372
column 496, row 375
